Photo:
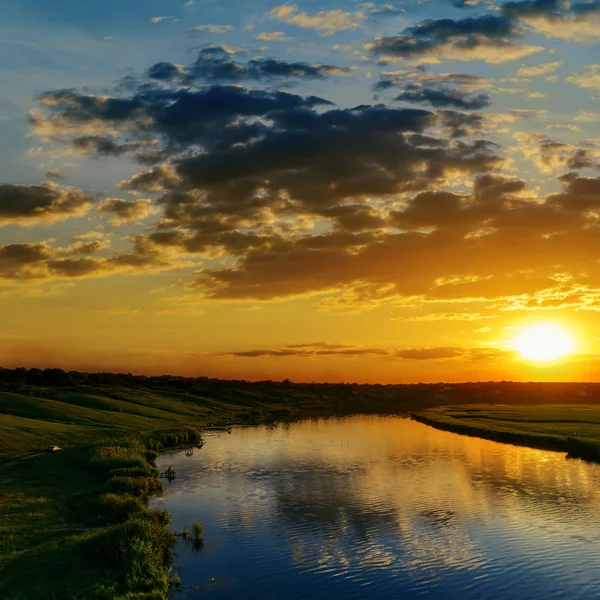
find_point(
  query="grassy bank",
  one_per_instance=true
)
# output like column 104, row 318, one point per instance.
column 74, row 524
column 570, row 428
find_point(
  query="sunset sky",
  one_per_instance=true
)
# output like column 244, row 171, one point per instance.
column 325, row 190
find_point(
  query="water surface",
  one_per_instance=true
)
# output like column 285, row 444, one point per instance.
column 382, row 507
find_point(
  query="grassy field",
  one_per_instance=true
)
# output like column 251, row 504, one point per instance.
column 74, row 525
column 572, row 428
column 63, row 518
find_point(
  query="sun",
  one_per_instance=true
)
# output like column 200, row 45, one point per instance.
column 543, row 342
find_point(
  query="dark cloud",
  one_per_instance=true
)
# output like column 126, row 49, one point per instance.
column 421, row 77
column 215, row 64
column 45, row 202
column 550, row 9
column 346, row 351
column 445, row 98
column 573, row 21
column 40, row 261
column 430, row 353
column 179, row 117
column 21, row 261
column 533, row 7
column 104, row 146
column 490, row 38
column 126, row 211
column 307, row 353
column 448, row 245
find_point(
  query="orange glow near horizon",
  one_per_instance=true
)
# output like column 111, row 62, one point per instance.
column 543, row 342
column 300, row 209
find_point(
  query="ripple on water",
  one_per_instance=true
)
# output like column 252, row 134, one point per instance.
column 383, row 507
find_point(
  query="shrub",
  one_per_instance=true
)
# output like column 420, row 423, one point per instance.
column 165, row 439
column 145, row 471
column 135, row 486
column 139, row 550
column 118, row 507
column 118, row 456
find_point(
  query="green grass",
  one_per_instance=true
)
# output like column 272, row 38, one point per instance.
column 572, row 428
column 74, row 525
column 65, row 516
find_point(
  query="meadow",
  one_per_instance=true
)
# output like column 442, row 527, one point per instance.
column 572, row 428
column 74, row 525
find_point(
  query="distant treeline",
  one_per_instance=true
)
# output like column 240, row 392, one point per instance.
column 485, row 392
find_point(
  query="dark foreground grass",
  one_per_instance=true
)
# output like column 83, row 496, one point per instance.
column 76, row 525
column 570, row 428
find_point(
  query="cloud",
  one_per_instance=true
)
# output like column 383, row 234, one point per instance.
column 441, row 90
column 215, row 65
column 537, row 70
column 490, row 38
column 449, row 316
column 496, row 237
column 126, row 211
column 40, row 261
column 589, row 79
column 47, row 202
column 445, row 98
column 329, row 22
column 82, row 247
column 213, row 28
column 550, row 155
column 320, row 350
column 177, row 115
column 420, row 77
column 430, row 353
column 159, row 19
column 279, row 195
column 572, row 21
column 272, row 36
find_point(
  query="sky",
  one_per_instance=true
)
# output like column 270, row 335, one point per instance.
column 320, row 190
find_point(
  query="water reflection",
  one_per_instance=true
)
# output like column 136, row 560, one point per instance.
column 383, row 507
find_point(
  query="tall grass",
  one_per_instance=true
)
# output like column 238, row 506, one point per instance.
column 128, row 454
column 158, row 440
column 198, row 533
column 140, row 551
column 136, row 542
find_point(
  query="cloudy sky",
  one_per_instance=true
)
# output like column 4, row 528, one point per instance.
column 323, row 190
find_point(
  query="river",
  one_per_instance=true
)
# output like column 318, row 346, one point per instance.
column 382, row 507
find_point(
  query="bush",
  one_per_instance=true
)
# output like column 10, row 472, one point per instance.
column 167, row 439
column 140, row 550
column 118, row 507
column 118, row 456
column 145, row 471
column 583, row 448
column 135, row 486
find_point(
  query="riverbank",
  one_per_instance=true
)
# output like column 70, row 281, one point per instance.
column 60, row 512
column 74, row 524
column 570, row 428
